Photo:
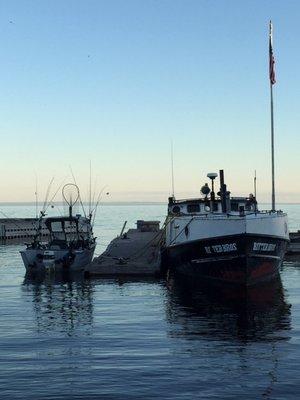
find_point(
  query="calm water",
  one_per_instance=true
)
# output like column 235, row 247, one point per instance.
column 109, row 339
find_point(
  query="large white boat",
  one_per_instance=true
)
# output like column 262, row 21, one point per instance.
column 70, row 244
column 224, row 239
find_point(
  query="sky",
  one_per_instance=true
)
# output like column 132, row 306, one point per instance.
column 112, row 83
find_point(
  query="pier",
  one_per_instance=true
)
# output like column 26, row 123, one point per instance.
column 294, row 246
column 133, row 253
column 15, row 230
column 19, row 228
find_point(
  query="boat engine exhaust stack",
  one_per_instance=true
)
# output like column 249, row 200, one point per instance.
column 223, row 192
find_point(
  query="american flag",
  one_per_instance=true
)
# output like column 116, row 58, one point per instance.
column 271, row 56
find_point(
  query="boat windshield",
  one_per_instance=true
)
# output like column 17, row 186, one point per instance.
column 57, row 230
column 65, row 229
column 71, row 230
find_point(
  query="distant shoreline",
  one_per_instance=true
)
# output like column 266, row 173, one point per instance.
column 112, row 203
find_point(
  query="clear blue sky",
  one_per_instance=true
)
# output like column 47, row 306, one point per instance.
column 114, row 81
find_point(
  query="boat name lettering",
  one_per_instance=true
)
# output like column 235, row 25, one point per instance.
column 264, row 246
column 221, row 248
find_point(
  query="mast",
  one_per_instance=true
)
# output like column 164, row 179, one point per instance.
column 272, row 82
column 90, row 190
column 36, row 197
column 172, row 168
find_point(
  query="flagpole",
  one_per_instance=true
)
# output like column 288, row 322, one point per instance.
column 272, row 82
column 272, row 147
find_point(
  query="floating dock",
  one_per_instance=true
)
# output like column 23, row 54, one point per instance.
column 294, row 246
column 133, row 253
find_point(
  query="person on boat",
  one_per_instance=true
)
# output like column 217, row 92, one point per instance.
column 251, row 202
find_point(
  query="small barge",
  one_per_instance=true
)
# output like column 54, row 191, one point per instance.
column 133, row 253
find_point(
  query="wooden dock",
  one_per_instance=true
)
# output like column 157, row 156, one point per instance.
column 134, row 253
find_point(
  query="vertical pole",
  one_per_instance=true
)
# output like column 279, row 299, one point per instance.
column 272, row 148
column 172, row 168
column 255, row 191
column 90, row 190
column 36, row 197
column 272, row 82
column 223, row 191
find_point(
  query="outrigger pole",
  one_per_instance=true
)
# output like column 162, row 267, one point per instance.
column 272, row 81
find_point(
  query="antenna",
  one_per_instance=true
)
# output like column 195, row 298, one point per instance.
column 254, row 183
column 90, row 189
column 36, row 197
column 172, row 168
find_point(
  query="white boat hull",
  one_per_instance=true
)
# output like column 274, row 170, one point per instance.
column 184, row 229
column 45, row 259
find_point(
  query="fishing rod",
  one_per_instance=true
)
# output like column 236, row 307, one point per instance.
column 94, row 193
column 97, row 204
column 47, row 195
column 53, row 197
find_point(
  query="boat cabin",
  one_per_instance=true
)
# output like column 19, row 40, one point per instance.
column 65, row 230
column 204, row 206
column 213, row 203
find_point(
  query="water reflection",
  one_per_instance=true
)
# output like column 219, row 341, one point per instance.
column 61, row 305
column 258, row 314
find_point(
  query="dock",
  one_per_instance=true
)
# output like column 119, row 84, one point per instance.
column 133, row 253
column 294, row 246
column 19, row 228
column 15, row 230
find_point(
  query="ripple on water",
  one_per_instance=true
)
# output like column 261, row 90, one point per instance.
column 112, row 339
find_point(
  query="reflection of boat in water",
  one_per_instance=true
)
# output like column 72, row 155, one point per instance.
column 61, row 305
column 71, row 243
column 256, row 314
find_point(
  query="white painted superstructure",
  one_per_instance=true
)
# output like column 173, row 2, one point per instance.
column 185, row 228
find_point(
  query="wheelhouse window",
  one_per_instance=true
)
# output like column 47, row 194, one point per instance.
column 57, row 230
column 193, row 208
